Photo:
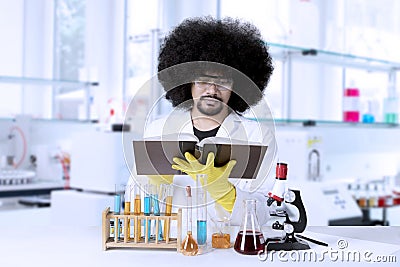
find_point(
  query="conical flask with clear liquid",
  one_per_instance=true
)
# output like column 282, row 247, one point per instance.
column 250, row 239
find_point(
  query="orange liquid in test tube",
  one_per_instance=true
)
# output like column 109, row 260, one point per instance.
column 137, row 211
column 168, row 211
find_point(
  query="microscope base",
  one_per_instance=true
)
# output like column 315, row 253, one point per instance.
column 283, row 244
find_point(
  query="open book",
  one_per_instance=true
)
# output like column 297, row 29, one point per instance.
column 153, row 156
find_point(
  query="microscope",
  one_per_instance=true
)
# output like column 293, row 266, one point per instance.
column 290, row 197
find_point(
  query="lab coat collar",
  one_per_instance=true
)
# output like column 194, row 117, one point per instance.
column 228, row 127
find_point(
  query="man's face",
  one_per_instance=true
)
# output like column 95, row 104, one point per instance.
column 211, row 94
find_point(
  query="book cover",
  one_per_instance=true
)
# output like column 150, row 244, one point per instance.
column 153, row 156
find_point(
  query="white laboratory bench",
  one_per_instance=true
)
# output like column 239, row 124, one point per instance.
column 28, row 239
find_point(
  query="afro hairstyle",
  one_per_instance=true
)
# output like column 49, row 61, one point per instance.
column 229, row 42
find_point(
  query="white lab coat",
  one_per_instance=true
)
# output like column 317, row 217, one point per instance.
column 235, row 127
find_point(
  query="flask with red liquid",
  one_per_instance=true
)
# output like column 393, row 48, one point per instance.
column 250, row 239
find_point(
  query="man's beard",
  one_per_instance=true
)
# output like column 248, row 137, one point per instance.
column 210, row 105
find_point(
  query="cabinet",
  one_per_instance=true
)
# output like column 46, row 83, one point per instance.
column 38, row 87
column 289, row 55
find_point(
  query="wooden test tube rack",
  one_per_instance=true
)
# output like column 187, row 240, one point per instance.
column 139, row 242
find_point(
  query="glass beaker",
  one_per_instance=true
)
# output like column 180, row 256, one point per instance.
column 221, row 237
column 250, row 239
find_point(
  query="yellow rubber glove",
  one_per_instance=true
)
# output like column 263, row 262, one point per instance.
column 220, row 189
column 160, row 179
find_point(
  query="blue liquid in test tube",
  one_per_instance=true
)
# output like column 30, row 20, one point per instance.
column 117, row 210
column 147, row 211
column 201, row 193
column 147, row 206
column 201, row 232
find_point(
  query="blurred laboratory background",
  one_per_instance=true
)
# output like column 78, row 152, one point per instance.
column 70, row 68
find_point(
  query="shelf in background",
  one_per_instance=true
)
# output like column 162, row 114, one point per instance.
column 318, row 123
column 311, row 123
column 282, row 51
column 44, row 81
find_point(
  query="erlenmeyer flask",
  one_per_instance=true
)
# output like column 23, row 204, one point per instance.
column 250, row 239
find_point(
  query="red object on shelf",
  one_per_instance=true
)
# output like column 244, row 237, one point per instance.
column 351, row 109
column 381, row 201
column 396, row 197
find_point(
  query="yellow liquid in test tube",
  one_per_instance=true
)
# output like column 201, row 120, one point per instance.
column 137, row 211
column 127, row 211
column 168, row 211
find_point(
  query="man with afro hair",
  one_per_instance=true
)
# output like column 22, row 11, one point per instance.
column 212, row 72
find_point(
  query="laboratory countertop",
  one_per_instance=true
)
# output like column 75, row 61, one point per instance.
column 27, row 239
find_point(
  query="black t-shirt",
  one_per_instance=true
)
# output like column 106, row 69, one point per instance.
column 204, row 134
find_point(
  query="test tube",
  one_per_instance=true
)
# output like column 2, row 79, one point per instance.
column 127, row 210
column 167, row 193
column 147, row 208
column 137, row 210
column 117, row 202
column 156, row 211
column 117, row 210
column 201, row 182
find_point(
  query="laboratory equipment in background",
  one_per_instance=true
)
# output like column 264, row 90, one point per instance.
column 391, row 108
column 250, row 239
column 351, row 105
column 375, row 198
column 22, row 184
column 329, row 204
column 303, row 149
column 98, row 165
column 189, row 244
column 368, row 114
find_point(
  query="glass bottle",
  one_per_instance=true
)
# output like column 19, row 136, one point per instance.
column 391, row 106
column 250, row 239
column 362, row 196
column 351, row 109
column 373, row 195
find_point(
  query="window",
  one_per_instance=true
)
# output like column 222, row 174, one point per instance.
column 69, row 57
